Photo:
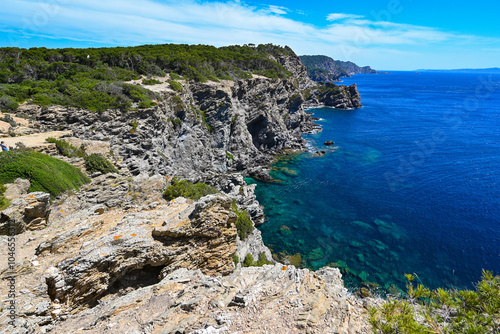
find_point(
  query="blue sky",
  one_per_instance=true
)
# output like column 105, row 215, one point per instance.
column 387, row 35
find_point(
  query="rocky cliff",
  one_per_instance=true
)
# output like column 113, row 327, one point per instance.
column 145, row 265
column 326, row 69
column 117, row 257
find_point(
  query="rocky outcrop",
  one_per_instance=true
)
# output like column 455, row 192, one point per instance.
column 325, row 69
column 142, row 248
column 26, row 212
column 269, row 299
column 157, row 266
column 116, row 257
column 331, row 95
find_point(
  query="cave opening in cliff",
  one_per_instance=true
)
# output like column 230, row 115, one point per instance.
column 135, row 279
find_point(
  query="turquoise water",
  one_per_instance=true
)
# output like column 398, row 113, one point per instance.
column 410, row 186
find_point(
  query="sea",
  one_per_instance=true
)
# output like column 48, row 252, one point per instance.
column 410, row 186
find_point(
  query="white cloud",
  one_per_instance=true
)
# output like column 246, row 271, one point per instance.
column 342, row 16
column 278, row 10
column 133, row 22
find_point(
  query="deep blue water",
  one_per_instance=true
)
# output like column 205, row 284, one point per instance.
column 410, row 186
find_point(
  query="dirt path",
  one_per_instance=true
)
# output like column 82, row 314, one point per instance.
column 34, row 140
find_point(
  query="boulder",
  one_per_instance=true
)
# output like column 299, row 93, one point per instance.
column 27, row 212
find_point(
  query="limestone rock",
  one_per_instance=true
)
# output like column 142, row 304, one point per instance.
column 269, row 299
column 26, row 212
column 90, row 146
column 16, row 189
column 139, row 250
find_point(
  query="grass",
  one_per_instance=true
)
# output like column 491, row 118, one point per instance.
column 45, row 173
column 243, row 223
column 184, row 188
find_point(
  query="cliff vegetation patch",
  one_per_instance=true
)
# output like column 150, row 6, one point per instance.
column 441, row 311
column 184, row 188
column 45, row 173
column 94, row 78
column 93, row 163
column 243, row 223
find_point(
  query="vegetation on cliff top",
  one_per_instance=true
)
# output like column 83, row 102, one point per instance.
column 45, row 173
column 441, row 311
column 93, row 78
column 323, row 68
column 93, row 163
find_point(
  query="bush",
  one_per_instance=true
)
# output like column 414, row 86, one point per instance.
column 442, row 311
column 134, row 124
column 243, row 223
column 248, row 262
column 184, row 188
column 4, row 202
column 8, row 103
column 175, row 85
column 151, row 82
column 45, row 173
column 175, row 76
column 97, row 163
column 65, row 149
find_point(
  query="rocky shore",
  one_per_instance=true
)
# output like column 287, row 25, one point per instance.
column 116, row 257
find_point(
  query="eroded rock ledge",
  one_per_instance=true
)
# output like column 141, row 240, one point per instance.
column 165, row 267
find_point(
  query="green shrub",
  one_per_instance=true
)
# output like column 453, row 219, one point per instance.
column 262, row 260
column 175, row 85
column 175, row 76
column 147, row 103
column 8, row 103
column 65, row 149
column 184, row 188
column 151, row 81
column 45, row 173
column 243, row 223
column 248, row 262
column 4, row 202
column 236, row 259
column 204, row 120
column 134, row 124
column 441, row 311
column 98, row 163
column 176, row 122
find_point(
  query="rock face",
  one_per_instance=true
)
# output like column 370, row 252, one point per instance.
column 206, row 128
column 116, row 257
column 269, row 299
column 325, row 69
column 26, row 212
column 165, row 267
column 340, row 97
column 140, row 249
